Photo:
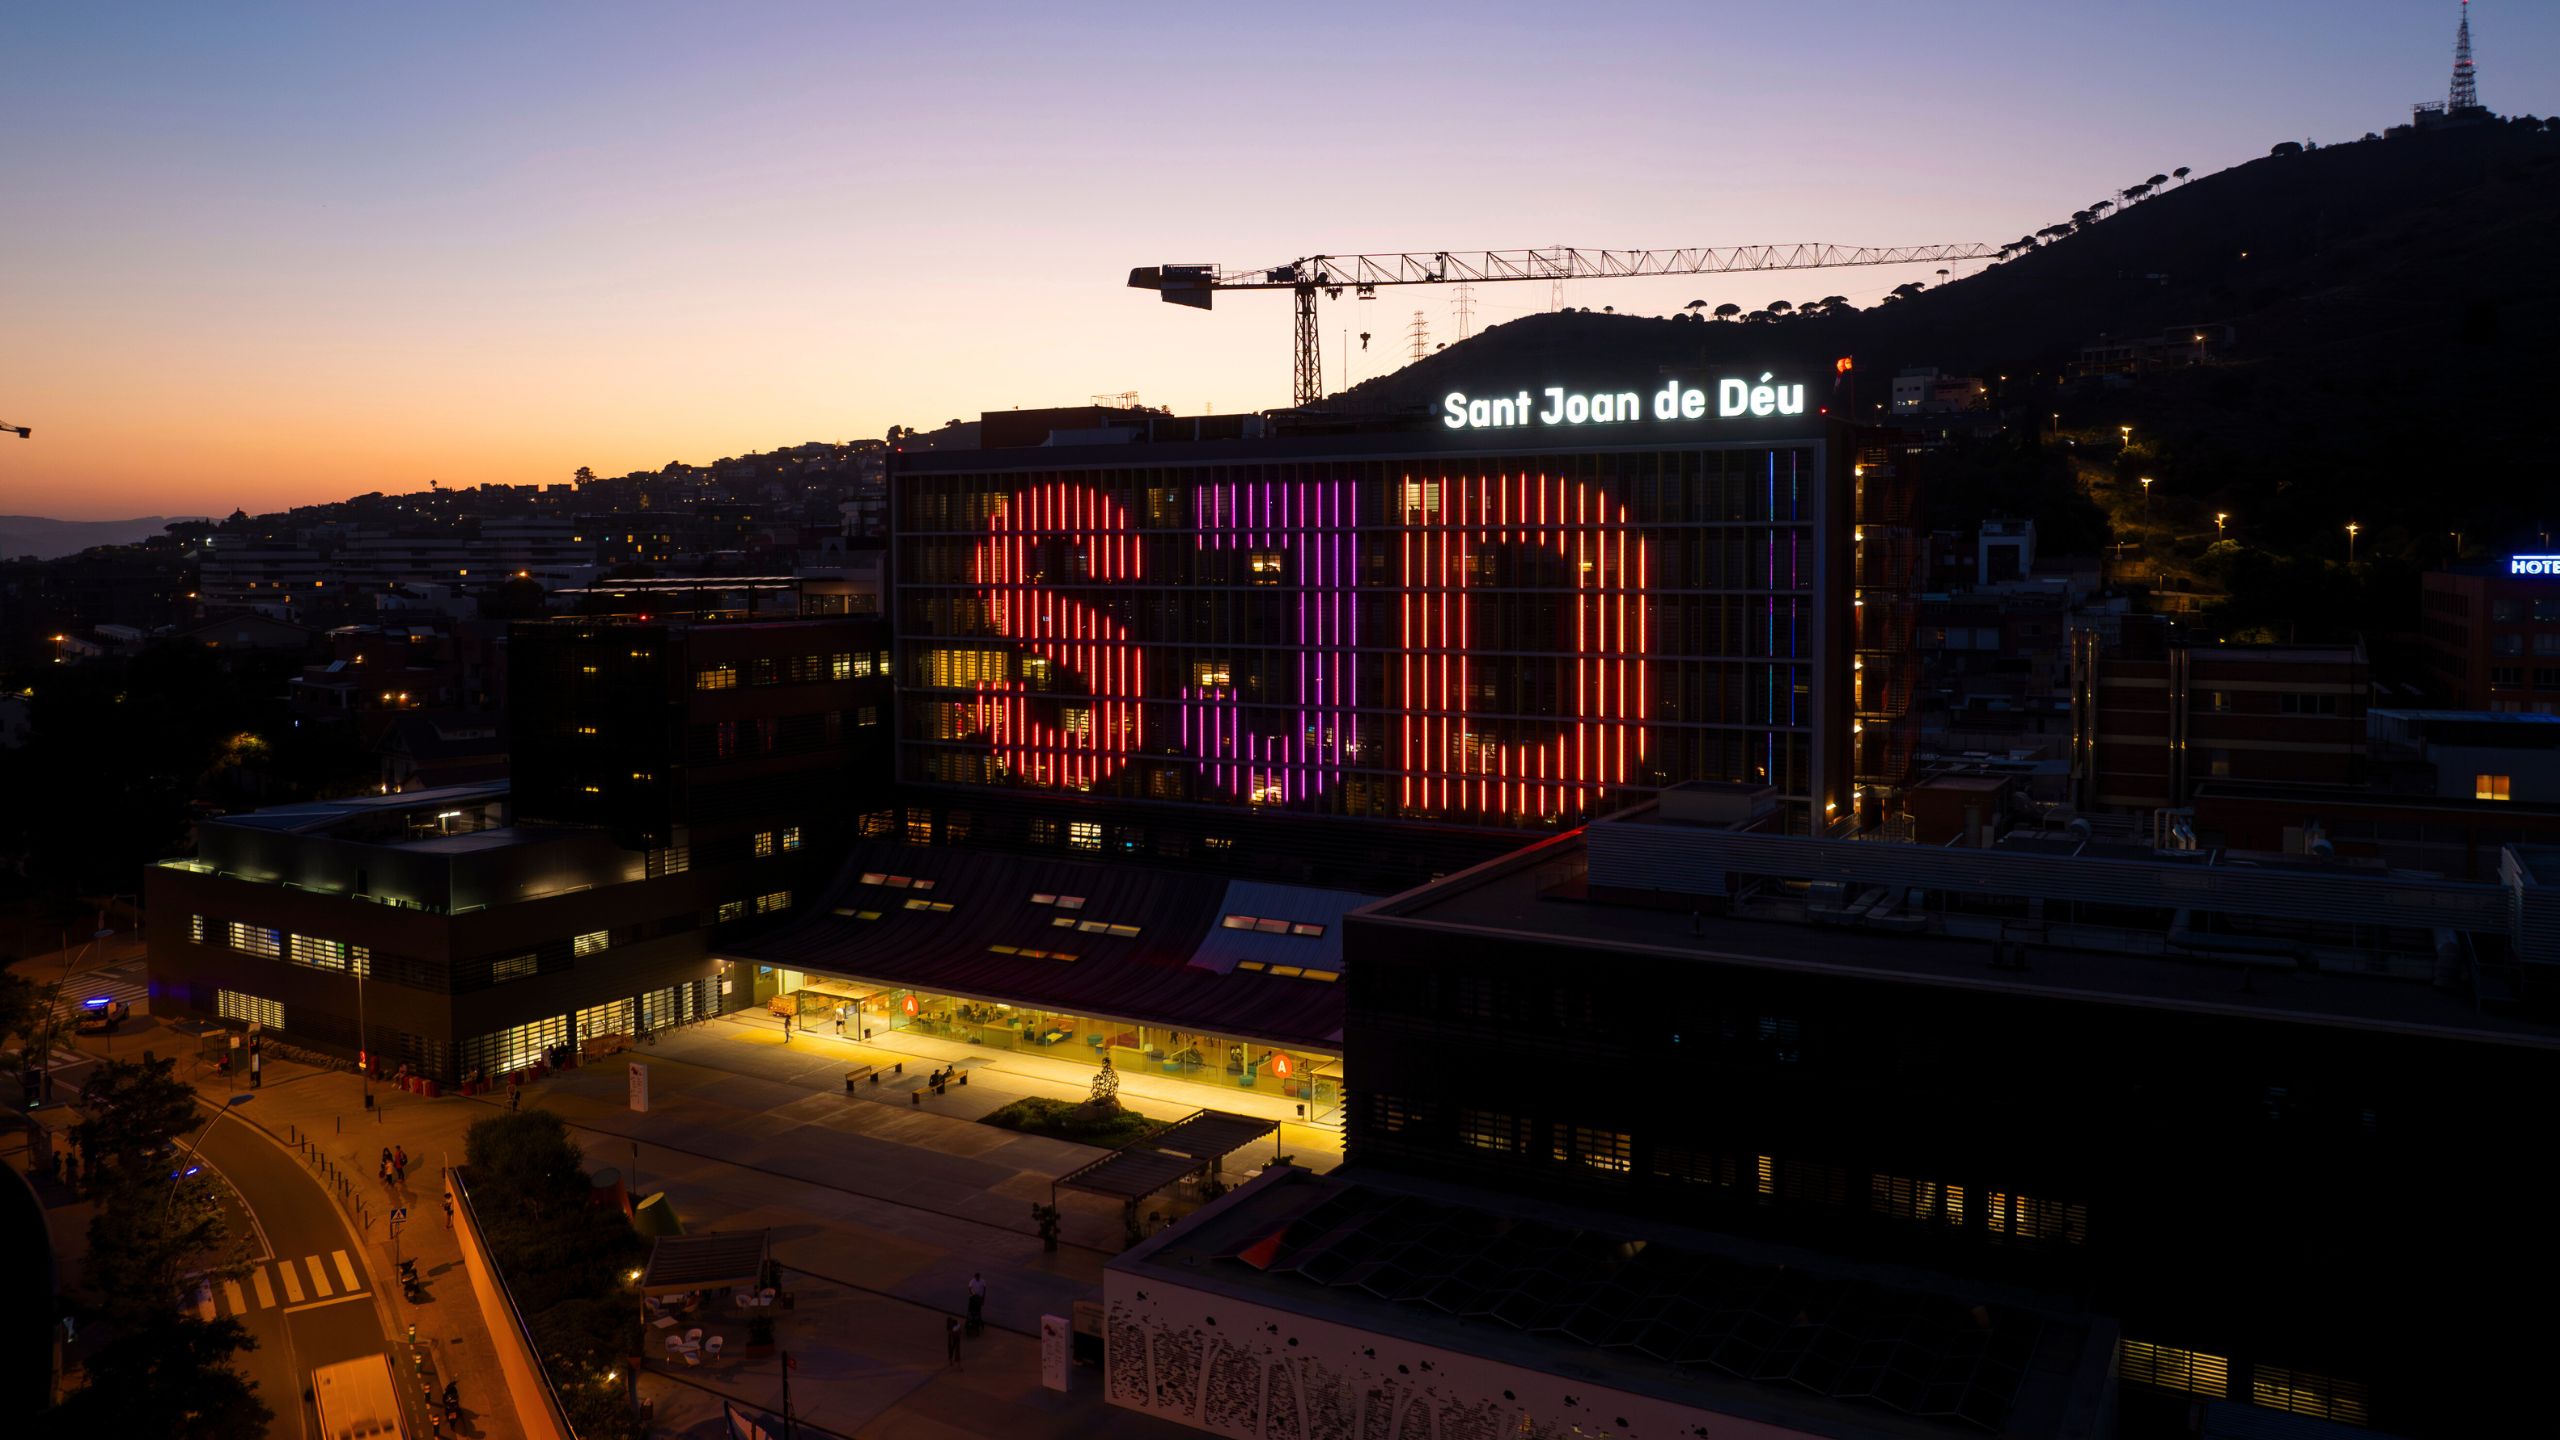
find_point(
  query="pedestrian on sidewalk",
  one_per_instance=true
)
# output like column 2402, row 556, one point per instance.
column 786, row 1028
column 388, row 1180
column 448, row 1211
column 400, row 1163
column 951, row 1338
column 256, row 1080
column 977, row 1303
column 515, row 1091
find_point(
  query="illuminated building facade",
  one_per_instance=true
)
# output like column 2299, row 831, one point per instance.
column 1428, row 627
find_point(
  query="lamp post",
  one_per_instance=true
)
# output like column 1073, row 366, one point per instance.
column 2124, row 434
column 2352, row 528
column 175, row 1176
column 2146, row 493
column 2219, row 516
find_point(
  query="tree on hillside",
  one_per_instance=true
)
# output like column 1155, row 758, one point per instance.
column 1694, row 306
column 2289, row 147
column 2179, row 173
column 2101, row 208
column 1832, row 304
column 1779, row 307
column 1727, row 311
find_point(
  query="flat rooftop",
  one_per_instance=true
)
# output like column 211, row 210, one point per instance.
column 1746, row 1328
column 1542, row 894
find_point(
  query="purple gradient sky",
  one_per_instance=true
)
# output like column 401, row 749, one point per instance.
column 263, row 257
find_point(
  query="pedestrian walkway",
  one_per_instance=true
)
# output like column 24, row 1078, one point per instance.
column 284, row 1282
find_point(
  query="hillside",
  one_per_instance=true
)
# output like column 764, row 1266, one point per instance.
column 46, row 538
column 2391, row 300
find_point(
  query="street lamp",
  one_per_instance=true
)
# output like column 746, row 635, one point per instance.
column 2352, row 528
column 2219, row 516
column 182, row 1173
column 2125, row 434
column 2146, row 492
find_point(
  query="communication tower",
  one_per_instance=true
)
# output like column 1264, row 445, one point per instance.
column 2466, row 87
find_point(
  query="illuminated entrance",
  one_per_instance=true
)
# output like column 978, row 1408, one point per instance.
column 1310, row 1080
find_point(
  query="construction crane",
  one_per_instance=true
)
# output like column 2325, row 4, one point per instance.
column 1330, row 275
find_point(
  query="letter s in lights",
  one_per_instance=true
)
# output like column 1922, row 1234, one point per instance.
column 1033, row 544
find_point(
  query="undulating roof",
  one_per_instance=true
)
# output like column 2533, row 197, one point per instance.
column 1123, row 941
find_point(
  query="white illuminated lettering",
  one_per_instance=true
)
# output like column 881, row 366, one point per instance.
column 1674, row 401
column 2533, row 565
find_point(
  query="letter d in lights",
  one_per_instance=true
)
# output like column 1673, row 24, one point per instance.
column 1535, row 532
column 1044, row 537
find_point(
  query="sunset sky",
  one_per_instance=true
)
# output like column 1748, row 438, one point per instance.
column 261, row 255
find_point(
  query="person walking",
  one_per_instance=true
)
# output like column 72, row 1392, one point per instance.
column 400, row 1163
column 951, row 1338
column 786, row 1027
column 515, row 1092
column 256, row 1080
column 977, row 1303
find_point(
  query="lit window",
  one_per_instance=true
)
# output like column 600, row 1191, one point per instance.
column 1084, row 834
column 1907, row 1199
column 716, row 677
column 2303, row 1393
column 256, row 940
column 764, row 844
column 2490, row 787
column 1492, row 1130
column 2023, row 1217
column 1612, row 1151
column 1271, row 927
column 791, row 838
column 195, row 928
column 732, row 909
column 1310, row 931
column 594, row 942
column 2169, row 1368
column 769, row 903
column 319, row 954
column 938, row 907
column 514, row 967
column 1238, row 922
column 252, row 1009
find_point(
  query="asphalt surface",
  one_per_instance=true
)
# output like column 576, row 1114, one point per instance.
column 309, row 1298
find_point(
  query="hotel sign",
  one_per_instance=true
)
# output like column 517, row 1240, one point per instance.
column 2533, row 565
column 1558, row 405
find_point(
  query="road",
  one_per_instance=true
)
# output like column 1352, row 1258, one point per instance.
column 309, row 1296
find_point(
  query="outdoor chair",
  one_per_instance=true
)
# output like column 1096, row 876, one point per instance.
column 693, row 1355
column 765, row 1296
column 693, row 1336
column 675, row 1346
column 712, row 1346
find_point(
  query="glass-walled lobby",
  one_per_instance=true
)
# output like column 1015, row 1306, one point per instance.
column 873, row 1011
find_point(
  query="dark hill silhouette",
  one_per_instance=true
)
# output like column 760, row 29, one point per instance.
column 2393, row 301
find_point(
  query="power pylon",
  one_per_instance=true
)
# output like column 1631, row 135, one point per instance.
column 1420, row 334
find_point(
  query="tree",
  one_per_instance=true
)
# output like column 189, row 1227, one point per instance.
column 22, row 1008
column 1779, row 307
column 2156, row 181
column 2101, row 208
column 584, row 476
column 1694, row 306
column 134, row 1112
column 1833, row 303
column 169, row 1376
column 1727, row 311
column 2289, row 147
column 2179, row 173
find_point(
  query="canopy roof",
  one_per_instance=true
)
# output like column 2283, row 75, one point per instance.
column 681, row 1264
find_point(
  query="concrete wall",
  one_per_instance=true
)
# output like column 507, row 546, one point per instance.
column 528, row 1389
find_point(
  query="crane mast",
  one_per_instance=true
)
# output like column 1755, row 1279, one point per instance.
column 1330, row 275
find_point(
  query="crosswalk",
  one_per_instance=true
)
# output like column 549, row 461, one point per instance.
column 306, row 1279
column 105, row 984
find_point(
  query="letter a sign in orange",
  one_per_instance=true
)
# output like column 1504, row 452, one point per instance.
column 1279, row 1064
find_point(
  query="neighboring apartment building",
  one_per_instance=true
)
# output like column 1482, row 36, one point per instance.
column 2492, row 632
column 679, row 784
column 2153, row 719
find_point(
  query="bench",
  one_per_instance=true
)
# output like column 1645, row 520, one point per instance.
column 858, row 1074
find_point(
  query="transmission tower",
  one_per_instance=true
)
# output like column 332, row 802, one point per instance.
column 2466, row 87
column 1420, row 334
column 1466, row 309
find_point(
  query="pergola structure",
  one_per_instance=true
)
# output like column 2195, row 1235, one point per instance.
column 1193, row 1144
column 683, row 1264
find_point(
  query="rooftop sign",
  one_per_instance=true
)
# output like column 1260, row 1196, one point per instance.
column 1561, row 407
column 2533, row 564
